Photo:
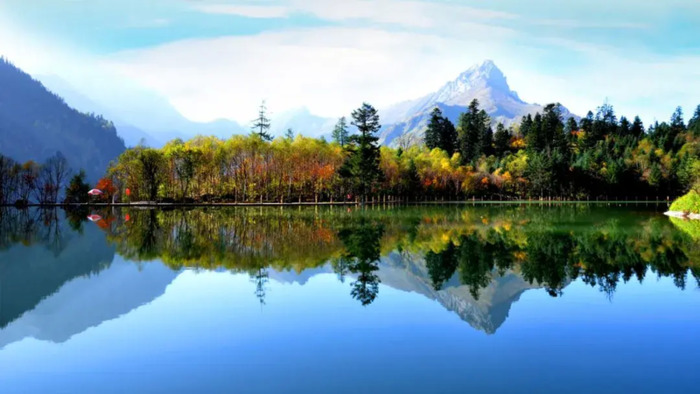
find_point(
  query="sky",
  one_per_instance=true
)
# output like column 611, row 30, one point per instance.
column 215, row 59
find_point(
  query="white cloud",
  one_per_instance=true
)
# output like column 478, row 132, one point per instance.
column 400, row 12
column 251, row 11
column 330, row 70
column 647, row 85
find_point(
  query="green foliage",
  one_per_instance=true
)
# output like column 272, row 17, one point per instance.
column 599, row 157
column 77, row 190
column 362, row 166
column 340, row 132
column 501, row 141
column 441, row 133
column 474, row 133
column 690, row 227
column 470, row 247
column 689, row 203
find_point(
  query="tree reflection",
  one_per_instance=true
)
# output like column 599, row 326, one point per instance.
column 362, row 257
column 447, row 247
column 261, row 277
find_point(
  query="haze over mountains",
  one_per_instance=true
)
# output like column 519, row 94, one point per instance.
column 35, row 124
column 154, row 120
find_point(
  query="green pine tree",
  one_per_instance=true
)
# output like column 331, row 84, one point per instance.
column 340, row 132
column 362, row 166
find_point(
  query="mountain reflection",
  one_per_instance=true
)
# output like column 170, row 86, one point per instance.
column 475, row 261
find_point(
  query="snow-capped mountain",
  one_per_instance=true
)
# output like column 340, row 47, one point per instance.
column 406, row 122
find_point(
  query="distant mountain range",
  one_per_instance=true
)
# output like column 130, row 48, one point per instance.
column 151, row 120
column 405, row 123
column 154, row 120
column 35, row 124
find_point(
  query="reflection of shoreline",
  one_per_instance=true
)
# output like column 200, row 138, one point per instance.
column 49, row 255
column 89, row 301
column 475, row 262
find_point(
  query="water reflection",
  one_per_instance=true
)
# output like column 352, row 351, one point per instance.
column 361, row 258
column 476, row 262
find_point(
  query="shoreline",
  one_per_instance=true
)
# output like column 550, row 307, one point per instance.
column 683, row 215
column 348, row 203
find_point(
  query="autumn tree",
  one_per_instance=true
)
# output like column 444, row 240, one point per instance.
column 28, row 177
column 151, row 164
column 106, row 185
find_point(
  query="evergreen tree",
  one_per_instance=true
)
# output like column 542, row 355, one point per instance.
column 77, row 190
column 340, row 132
column 501, row 140
column 637, row 129
column 694, row 123
column 677, row 127
column 625, row 127
column 362, row 166
column 586, row 125
column 475, row 136
column 570, row 128
column 448, row 137
column 432, row 133
column 526, row 125
column 536, row 139
column 261, row 125
column 486, row 140
column 441, row 133
column 539, row 172
column 289, row 134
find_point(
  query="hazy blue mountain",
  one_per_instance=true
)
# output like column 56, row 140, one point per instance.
column 146, row 116
column 405, row 122
column 36, row 123
column 131, row 135
column 303, row 122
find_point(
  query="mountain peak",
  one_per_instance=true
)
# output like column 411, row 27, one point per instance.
column 486, row 74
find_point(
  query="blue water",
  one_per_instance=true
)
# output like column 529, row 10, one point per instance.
column 144, row 327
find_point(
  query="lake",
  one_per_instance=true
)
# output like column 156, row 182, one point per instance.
column 436, row 299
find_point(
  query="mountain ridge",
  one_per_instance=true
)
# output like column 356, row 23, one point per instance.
column 405, row 122
column 36, row 123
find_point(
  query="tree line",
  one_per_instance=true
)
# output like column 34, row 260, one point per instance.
column 599, row 156
column 543, row 156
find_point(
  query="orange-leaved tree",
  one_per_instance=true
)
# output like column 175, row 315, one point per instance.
column 107, row 187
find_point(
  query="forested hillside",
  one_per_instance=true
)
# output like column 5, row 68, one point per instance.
column 35, row 124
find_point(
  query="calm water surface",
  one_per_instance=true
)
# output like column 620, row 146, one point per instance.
column 519, row 299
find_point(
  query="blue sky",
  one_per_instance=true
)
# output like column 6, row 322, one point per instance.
column 218, row 59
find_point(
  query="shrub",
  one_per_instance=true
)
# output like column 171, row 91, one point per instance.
column 690, row 203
